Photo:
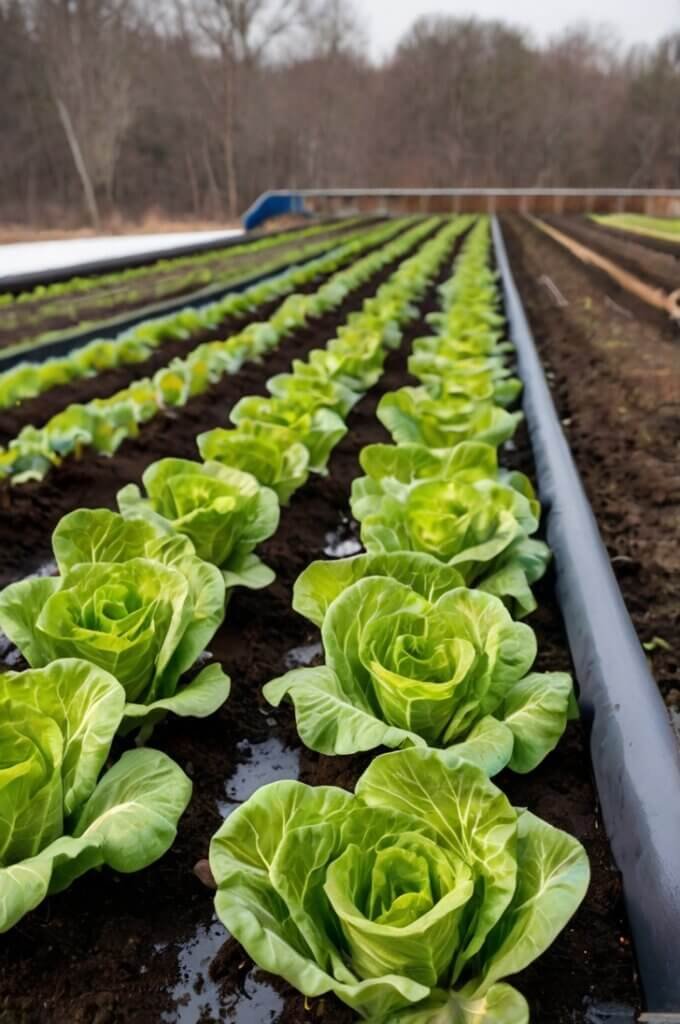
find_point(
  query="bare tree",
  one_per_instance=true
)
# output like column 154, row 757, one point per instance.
column 82, row 44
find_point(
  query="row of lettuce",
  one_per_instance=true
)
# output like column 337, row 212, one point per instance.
column 117, row 640
column 31, row 378
column 104, row 423
column 77, row 286
column 412, row 898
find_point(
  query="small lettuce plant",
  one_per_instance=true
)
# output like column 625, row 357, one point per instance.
column 482, row 527
column 223, row 511
column 413, row 657
column 262, row 449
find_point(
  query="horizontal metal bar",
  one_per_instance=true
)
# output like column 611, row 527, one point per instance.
column 490, row 192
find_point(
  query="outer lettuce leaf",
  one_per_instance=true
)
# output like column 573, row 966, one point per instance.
column 321, row 582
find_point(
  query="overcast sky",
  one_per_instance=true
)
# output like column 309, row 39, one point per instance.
column 634, row 21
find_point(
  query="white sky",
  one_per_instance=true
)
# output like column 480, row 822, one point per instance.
column 633, row 21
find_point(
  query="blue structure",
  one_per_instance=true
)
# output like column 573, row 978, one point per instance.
column 272, row 204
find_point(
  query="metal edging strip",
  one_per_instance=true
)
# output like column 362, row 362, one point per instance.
column 635, row 755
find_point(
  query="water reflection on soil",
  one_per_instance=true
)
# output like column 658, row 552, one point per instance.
column 268, row 761
column 198, row 998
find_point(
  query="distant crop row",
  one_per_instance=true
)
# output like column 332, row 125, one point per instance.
column 74, row 310
column 29, row 379
column 76, row 286
column 104, row 423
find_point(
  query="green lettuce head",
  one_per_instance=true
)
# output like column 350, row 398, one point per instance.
column 413, row 415
column 57, row 818
column 410, row 899
column 311, row 391
column 223, row 511
column 483, row 528
column 317, row 428
column 412, row 658
column 132, row 599
column 394, row 468
column 263, row 450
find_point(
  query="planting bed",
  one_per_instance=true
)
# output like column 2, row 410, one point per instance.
column 616, row 381
column 658, row 264
column 42, row 315
column 94, row 480
column 147, row 947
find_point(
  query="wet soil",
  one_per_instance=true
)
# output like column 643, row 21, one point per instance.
column 658, row 268
column 20, row 322
column 146, row 948
column 615, row 378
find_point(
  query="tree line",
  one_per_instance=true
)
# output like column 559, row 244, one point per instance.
column 191, row 108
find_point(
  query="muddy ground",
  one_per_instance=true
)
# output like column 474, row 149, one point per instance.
column 146, row 948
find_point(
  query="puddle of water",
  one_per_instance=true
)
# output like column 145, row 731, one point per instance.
column 608, row 1013
column 341, row 542
column 198, row 998
column 195, row 994
column 302, row 656
column 259, row 1003
column 268, row 761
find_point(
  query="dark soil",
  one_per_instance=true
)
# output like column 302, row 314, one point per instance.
column 146, row 948
column 661, row 269
column 616, row 383
column 20, row 322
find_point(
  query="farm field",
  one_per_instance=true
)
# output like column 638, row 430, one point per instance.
column 371, row 395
